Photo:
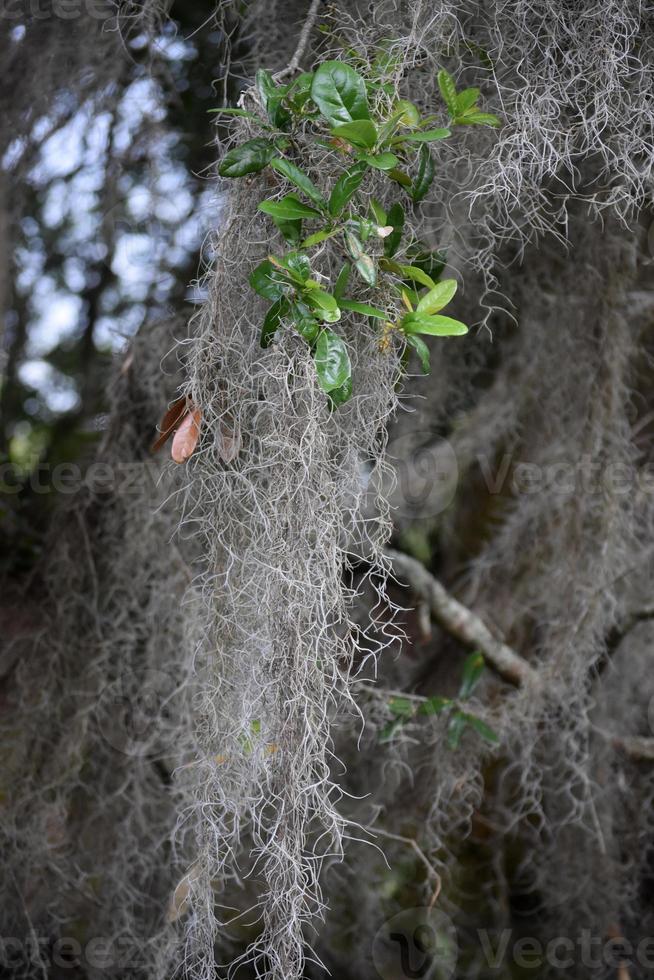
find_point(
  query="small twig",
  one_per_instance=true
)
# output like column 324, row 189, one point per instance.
column 636, row 747
column 307, row 27
column 410, row 842
column 461, row 622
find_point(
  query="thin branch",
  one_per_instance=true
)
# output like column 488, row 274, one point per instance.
column 410, row 842
column 636, row 747
column 294, row 63
column 461, row 622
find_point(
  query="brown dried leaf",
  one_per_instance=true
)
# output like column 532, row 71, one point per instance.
column 170, row 421
column 186, row 437
column 230, row 443
column 180, row 899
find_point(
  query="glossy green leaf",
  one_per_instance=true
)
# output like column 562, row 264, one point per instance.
column 437, row 297
column 340, row 395
column 247, row 158
column 288, row 208
column 482, row 728
column 382, row 161
column 305, row 322
column 346, row 185
column 273, row 318
column 342, row 281
column 406, row 113
column 319, row 236
column 229, row 111
column 363, row 262
column 299, row 91
column 268, row 281
column 272, row 95
column 448, row 90
column 425, row 176
column 340, row 93
column 363, row 308
column 473, row 668
column 428, row 136
column 324, row 305
column 417, row 274
column 299, row 178
column 291, row 230
column 297, row 265
column 421, row 349
column 432, row 263
column 433, row 326
column 332, row 361
column 361, row 133
column 396, row 219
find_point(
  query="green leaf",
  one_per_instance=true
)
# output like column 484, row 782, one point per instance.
column 406, row 113
column 364, row 308
column 420, row 347
column 428, row 136
column 248, row 158
column 271, row 322
column 448, row 90
column 299, row 178
column 437, row 297
column 332, row 361
column 305, row 323
column 296, row 264
column 395, row 218
column 325, row 305
column 432, row 263
column 300, row 90
column 455, row 729
column 382, row 161
column 319, row 236
column 360, row 133
column 288, row 208
column 388, row 731
column 363, row 262
column 473, row 668
column 465, row 100
column 417, row 275
column 229, row 111
column 472, row 117
column 425, row 175
column 346, row 185
column 399, row 177
column 434, row 706
column 272, row 96
column 433, row 326
column 378, row 212
column 482, row 728
column 342, row 280
column 268, row 281
column 340, row 395
column 401, row 707
column 291, row 230
column 340, row 93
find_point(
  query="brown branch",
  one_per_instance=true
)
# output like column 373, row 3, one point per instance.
column 461, row 622
column 637, row 747
column 307, row 27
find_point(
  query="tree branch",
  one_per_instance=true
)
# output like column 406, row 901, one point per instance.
column 307, row 27
column 461, row 622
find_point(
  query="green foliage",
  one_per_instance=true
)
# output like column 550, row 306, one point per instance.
column 335, row 98
column 405, row 709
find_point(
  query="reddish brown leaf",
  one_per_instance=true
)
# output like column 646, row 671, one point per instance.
column 170, row 421
column 186, row 437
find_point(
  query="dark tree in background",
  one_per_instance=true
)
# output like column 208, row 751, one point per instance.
column 354, row 685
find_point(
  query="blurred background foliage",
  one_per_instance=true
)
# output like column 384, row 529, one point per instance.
column 106, row 197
